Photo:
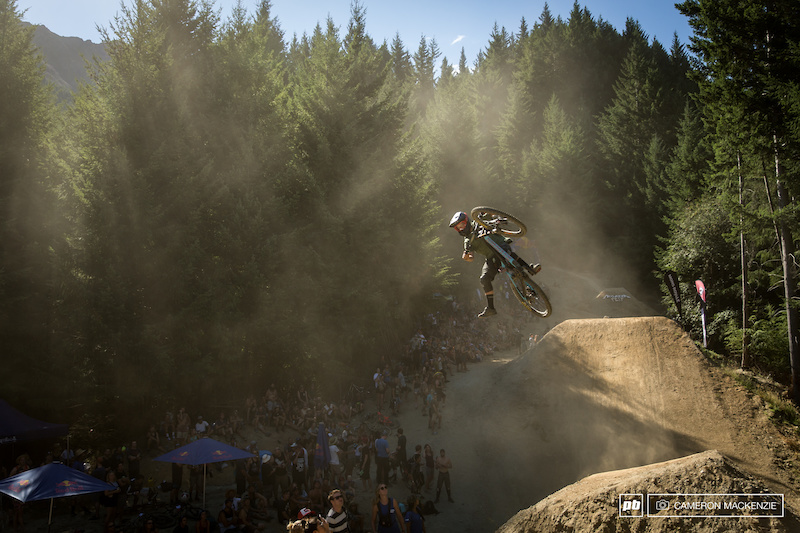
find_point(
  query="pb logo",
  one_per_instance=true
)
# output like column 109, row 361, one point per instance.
column 630, row 505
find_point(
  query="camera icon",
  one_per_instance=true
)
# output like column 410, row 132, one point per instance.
column 662, row 505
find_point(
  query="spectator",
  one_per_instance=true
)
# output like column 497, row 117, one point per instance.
column 134, row 460
column 443, row 465
column 183, row 526
column 382, row 458
column 335, row 462
column 203, row 524
column 201, row 427
column 227, row 518
column 415, row 523
column 386, row 515
column 429, row 461
column 337, row 517
column 182, row 427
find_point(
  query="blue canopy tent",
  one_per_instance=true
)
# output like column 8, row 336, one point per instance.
column 18, row 427
column 51, row 481
column 202, row 452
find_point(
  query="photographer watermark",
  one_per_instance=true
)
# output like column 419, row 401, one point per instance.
column 701, row 505
column 631, row 505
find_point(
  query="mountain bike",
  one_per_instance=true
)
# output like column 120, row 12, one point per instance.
column 530, row 294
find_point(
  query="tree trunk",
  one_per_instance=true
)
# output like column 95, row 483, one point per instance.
column 745, row 333
column 789, row 283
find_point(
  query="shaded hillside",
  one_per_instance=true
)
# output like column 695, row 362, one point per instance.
column 66, row 59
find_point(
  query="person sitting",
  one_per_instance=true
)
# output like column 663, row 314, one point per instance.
column 153, row 439
column 247, row 521
column 259, row 505
column 227, row 517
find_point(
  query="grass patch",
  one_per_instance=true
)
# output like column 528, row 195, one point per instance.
column 783, row 412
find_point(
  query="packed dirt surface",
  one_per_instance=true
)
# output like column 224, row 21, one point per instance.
column 609, row 387
column 593, row 504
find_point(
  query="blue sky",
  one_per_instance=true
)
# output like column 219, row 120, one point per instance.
column 467, row 23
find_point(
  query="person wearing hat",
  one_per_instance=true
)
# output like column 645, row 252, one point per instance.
column 268, row 475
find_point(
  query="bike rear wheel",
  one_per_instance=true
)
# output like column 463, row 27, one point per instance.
column 511, row 226
column 530, row 294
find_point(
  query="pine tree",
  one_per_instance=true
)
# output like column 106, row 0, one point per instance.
column 747, row 68
column 28, row 222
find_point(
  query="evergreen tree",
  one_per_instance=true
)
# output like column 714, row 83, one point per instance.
column 747, row 68
column 28, row 221
column 626, row 131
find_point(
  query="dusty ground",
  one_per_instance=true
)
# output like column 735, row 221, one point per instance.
column 595, row 395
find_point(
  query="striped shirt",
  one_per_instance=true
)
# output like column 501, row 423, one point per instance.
column 338, row 521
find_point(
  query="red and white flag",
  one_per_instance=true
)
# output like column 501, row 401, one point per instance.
column 701, row 290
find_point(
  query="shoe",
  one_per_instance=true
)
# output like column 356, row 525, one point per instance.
column 487, row 311
column 534, row 269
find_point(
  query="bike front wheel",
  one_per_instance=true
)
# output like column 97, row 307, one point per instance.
column 530, row 294
column 495, row 220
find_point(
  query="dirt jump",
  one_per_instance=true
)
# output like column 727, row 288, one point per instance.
column 600, row 407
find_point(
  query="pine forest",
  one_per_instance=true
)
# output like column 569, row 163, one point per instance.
column 222, row 204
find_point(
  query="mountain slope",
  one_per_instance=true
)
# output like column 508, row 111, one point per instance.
column 66, row 58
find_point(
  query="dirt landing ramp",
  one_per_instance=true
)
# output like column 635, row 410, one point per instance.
column 593, row 504
column 601, row 395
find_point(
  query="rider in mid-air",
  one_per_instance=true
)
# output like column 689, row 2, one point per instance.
column 474, row 241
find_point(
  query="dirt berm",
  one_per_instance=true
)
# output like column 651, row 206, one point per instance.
column 601, row 395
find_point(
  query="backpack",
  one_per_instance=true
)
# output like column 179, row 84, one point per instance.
column 385, row 520
column 428, row 508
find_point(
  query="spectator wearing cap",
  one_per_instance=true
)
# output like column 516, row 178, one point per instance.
column 201, row 426
column 315, row 524
column 268, row 475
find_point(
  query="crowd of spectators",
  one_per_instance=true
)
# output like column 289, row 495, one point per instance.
column 278, row 483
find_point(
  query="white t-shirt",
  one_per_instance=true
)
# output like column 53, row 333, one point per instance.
column 334, row 454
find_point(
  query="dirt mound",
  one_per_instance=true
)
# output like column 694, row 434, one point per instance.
column 592, row 504
column 600, row 395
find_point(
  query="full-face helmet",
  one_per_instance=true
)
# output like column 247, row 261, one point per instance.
column 460, row 222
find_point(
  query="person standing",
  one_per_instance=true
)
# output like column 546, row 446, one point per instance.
column 382, row 458
column 366, row 453
column 402, row 454
column 415, row 522
column 134, row 460
column 430, row 463
column 337, row 517
column 386, row 515
column 443, row 465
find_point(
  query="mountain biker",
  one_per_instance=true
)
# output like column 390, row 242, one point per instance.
column 474, row 241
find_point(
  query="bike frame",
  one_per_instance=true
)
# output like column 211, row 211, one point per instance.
column 507, row 259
